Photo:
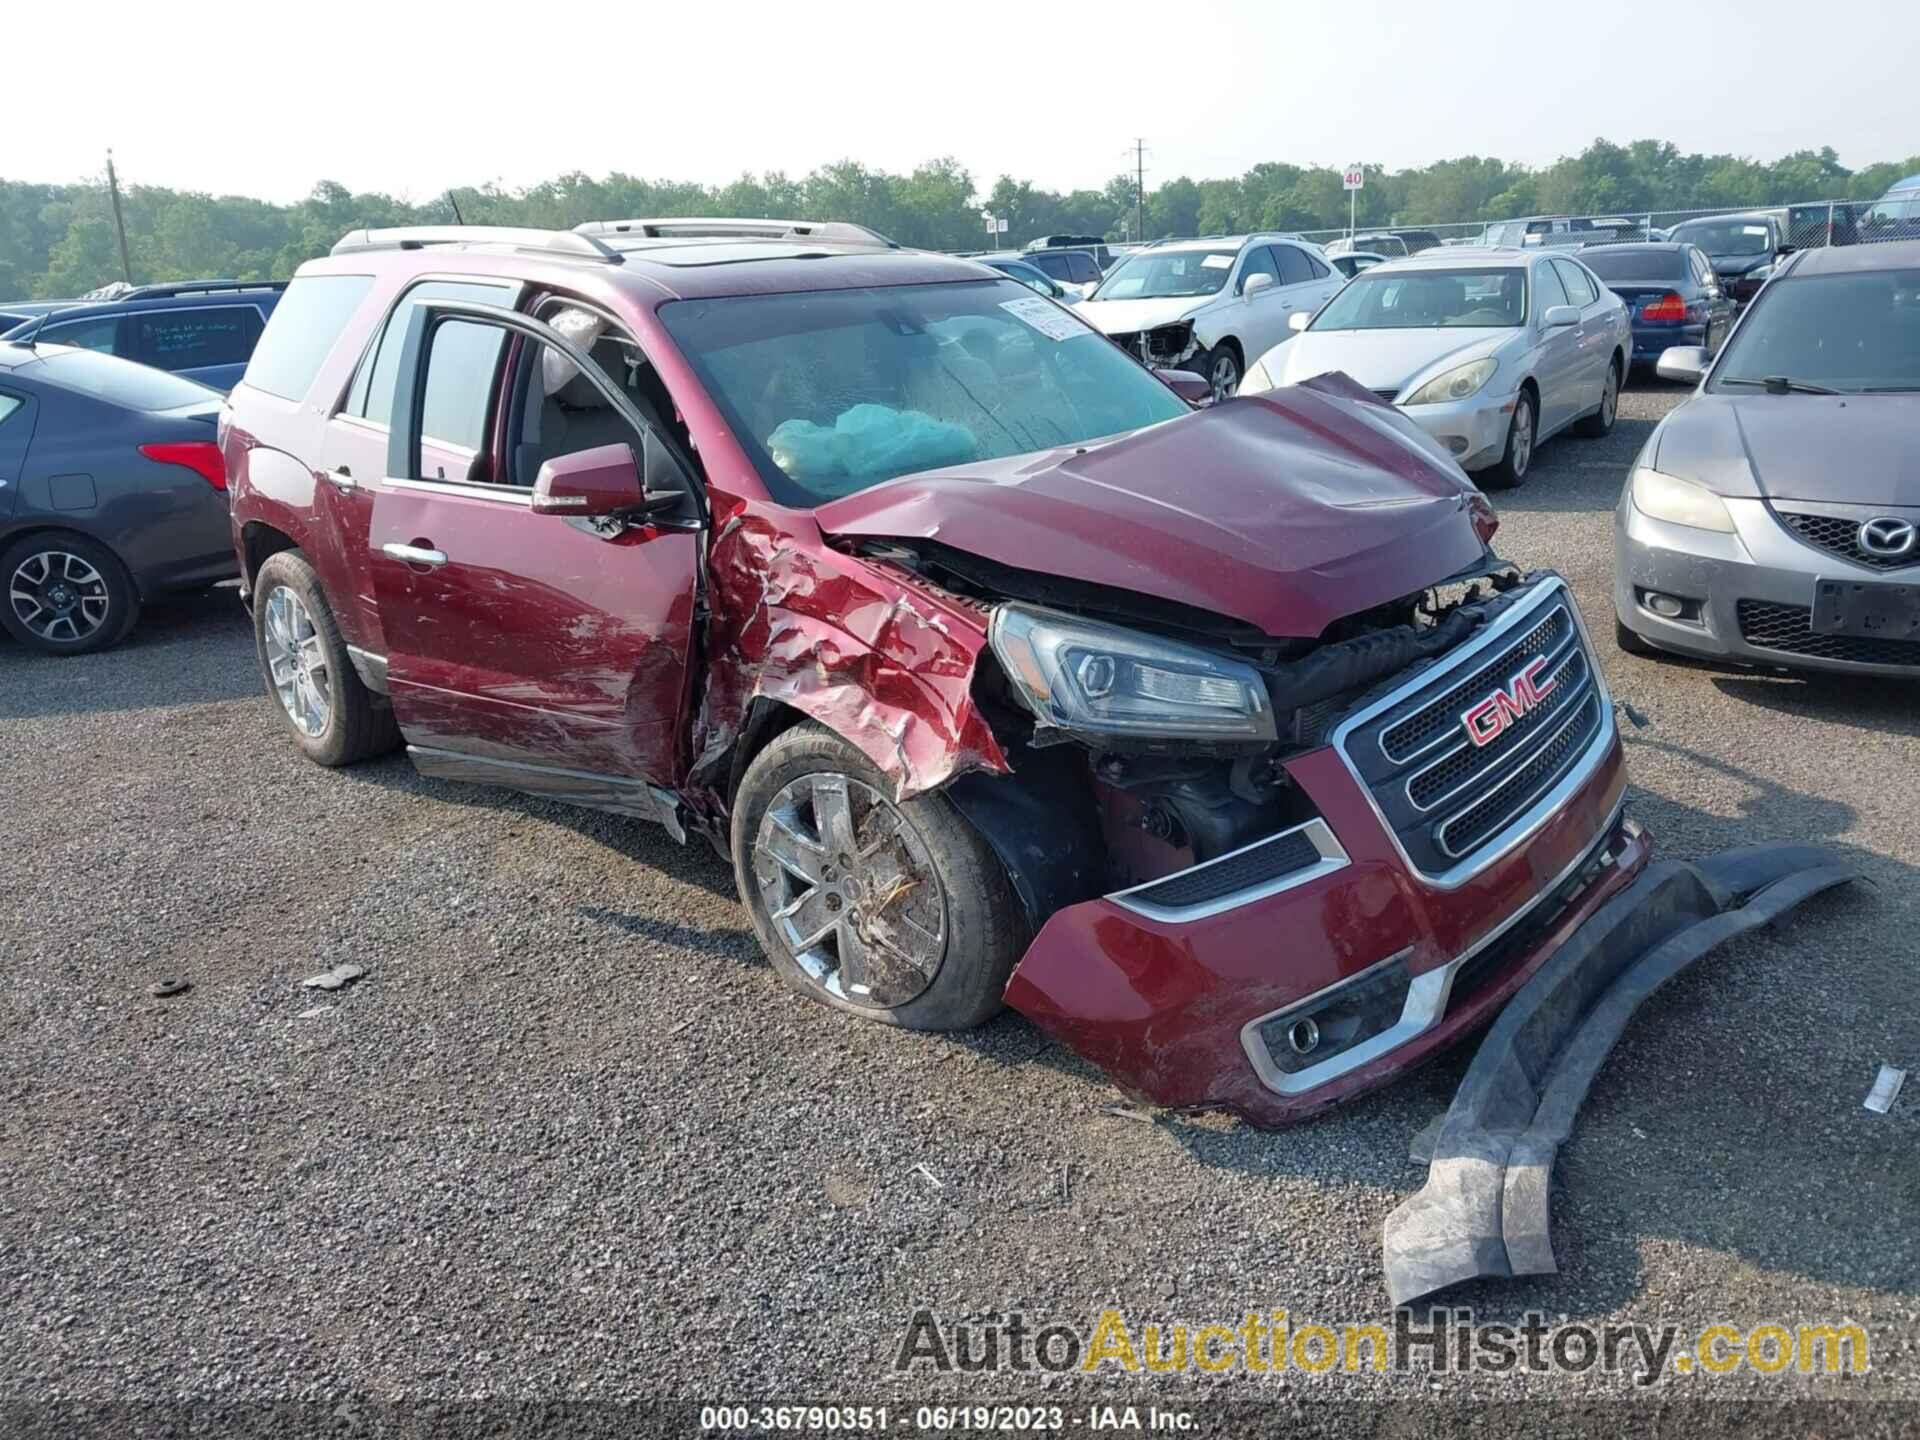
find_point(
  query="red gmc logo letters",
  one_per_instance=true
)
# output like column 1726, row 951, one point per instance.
column 1488, row 720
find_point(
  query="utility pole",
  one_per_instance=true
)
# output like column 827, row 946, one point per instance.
column 119, row 221
column 1140, row 188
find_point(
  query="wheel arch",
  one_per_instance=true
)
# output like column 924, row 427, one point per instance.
column 259, row 542
column 31, row 529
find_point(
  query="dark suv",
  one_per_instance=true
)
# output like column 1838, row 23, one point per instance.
column 202, row 329
column 1218, row 742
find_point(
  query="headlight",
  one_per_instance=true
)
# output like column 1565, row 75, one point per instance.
column 1679, row 502
column 1107, row 683
column 1762, row 273
column 1456, row 384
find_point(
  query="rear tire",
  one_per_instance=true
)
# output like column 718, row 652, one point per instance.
column 1600, row 423
column 63, row 594
column 325, row 706
column 920, row 930
column 1516, row 461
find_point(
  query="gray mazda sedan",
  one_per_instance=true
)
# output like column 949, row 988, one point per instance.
column 1774, row 518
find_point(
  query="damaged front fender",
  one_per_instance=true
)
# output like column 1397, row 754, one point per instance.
column 883, row 661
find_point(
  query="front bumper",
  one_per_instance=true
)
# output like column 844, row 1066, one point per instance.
column 1474, row 430
column 1195, row 1007
column 1744, row 594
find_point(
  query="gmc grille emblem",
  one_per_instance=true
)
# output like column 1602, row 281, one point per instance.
column 1488, row 721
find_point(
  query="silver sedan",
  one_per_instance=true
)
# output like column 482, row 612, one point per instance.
column 1774, row 518
column 1490, row 351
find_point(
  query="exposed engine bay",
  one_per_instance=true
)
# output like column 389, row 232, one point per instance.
column 1160, row 803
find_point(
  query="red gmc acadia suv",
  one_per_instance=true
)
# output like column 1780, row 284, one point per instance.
column 1219, row 742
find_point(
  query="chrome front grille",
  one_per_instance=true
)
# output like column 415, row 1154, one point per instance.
column 1451, row 802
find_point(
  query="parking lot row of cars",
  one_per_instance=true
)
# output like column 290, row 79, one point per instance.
column 1005, row 662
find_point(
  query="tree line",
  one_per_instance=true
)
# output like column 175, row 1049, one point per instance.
column 58, row 240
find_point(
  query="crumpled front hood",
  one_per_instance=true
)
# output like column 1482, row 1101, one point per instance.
column 1380, row 359
column 1286, row 510
column 1853, row 449
column 1123, row 317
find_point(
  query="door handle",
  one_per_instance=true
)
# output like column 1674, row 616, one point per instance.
column 415, row 554
column 341, row 479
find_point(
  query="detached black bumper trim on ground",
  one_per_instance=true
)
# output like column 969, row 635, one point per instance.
column 1484, row 1208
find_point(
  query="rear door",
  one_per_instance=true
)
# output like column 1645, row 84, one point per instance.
column 545, row 652
column 208, row 343
column 17, row 409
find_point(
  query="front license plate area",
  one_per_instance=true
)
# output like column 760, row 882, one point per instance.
column 1870, row 611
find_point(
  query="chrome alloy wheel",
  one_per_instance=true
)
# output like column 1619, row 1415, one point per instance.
column 851, row 890
column 1522, row 438
column 297, row 662
column 1610, row 398
column 1225, row 376
column 58, row 596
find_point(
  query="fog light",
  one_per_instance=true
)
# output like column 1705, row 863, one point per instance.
column 1457, row 444
column 1304, row 1036
column 1665, row 606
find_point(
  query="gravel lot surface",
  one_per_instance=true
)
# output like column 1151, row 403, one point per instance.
column 570, row 1137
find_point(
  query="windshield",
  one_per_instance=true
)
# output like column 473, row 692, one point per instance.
column 1616, row 264
column 831, row 392
column 121, row 382
column 1426, row 299
column 1167, row 274
column 1746, row 237
column 1846, row 332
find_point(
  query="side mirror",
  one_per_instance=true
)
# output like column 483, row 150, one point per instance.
column 1190, row 387
column 1685, row 363
column 1559, row 315
column 1786, row 250
column 595, row 484
column 1299, row 320
column 1255, row 283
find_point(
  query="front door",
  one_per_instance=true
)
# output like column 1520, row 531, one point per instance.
column 543, row 651
column 1558, row 347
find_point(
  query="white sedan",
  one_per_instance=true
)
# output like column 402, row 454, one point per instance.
column 1490, row 351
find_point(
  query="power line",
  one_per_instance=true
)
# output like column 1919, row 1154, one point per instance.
column 1139, row 149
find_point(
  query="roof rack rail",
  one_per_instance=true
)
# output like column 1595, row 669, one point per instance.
column 164, row 288
column 701, row 227
column 513, row 237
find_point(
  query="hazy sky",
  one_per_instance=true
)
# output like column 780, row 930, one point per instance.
column 411, row 98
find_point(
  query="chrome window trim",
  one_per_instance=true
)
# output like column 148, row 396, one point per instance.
column 1426, row 1001
column 1528, row 823
column 509, row 494
column 1333, row 856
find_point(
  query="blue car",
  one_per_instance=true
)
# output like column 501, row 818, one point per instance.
column 202, row 329
column 112, row 492
column 1671, row 294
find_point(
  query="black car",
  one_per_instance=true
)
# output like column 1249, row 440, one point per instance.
column 112, row 491
column 1742, row 248
column 1671, row 292
column 1093, row 245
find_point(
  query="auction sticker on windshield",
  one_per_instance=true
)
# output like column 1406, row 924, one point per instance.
column 1046, row 317
column 1216, row 262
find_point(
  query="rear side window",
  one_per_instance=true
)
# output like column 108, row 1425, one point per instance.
column 95, row 334
column 8, row 404
column 121, row 382
column 301, row 332
column 1054, row 265
column 1081, row 267
column 373, row 385
column 1320, row 272
column 191, row 339
column 1294, row 269
column 1580, row 289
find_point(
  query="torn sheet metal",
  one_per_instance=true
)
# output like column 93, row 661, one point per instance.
column 1484, row 1208
column 882, row 660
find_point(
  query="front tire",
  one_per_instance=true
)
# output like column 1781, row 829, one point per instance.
column 1224, row 370
column 327, row 709
column 896, row 912
column 66, row 594
column 1629, row 641
column 1517, row 459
